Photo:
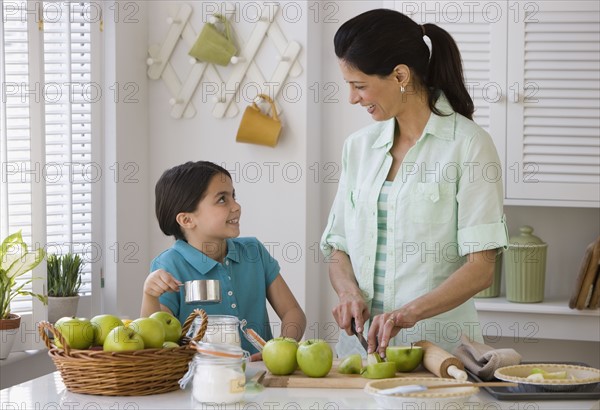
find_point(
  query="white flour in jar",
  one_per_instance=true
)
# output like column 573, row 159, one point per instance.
column 222, row 329
column 214, row 383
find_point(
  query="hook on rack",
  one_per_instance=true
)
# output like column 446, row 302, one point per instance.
column 171, row 20
column 152, row 61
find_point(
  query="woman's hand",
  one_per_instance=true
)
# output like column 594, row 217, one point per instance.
column 159, row 282
column 351, row 306
column 386, row 326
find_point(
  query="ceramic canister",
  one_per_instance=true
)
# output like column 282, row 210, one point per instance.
column 494, row 290
column 525, row 267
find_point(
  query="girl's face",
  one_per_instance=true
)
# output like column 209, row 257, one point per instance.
column 379, row 95
column 217, row 216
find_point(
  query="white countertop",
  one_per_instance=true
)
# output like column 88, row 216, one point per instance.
column 48, row 392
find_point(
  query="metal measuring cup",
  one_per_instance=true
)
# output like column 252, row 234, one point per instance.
column 202, row 291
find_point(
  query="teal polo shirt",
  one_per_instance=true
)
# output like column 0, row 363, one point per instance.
column 245, row 274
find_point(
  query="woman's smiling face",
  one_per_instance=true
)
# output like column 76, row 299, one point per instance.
column 379, row 95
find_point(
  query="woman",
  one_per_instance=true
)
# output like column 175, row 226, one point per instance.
column 417, row 220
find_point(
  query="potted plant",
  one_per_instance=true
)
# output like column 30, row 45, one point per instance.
column 15, row 261
column 64, row 281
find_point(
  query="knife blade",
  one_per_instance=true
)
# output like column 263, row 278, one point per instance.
column 360, row 337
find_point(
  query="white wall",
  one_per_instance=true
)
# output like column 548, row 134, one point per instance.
column 271, row 184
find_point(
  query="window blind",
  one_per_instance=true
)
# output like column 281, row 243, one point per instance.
column 66, row 92
column 68, row 99
column 15, row 135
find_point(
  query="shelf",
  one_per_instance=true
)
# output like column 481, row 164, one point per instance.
column 547, row 307
column 528, row 322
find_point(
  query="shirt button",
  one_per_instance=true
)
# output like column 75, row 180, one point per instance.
column 226, row 262
column 230, row 293
column 233, row 305
column 229, row 277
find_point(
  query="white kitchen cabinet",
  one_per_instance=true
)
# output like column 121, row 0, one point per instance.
column 533, row 69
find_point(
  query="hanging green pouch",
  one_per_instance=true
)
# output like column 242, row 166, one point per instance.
column 212, row 45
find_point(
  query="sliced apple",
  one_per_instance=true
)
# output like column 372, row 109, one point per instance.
column 374, row 358
column 381, row 370
column 351, row 365
column 549, row 375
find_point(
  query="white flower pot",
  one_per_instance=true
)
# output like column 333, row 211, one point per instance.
column 59, row 307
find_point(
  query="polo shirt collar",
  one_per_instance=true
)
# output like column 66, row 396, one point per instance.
column 439, row 126
column 199, row 260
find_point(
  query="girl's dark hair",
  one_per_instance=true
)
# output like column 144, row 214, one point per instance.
column 378, row 40
column 180, row 189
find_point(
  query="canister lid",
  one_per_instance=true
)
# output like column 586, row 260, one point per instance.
column 526, row 237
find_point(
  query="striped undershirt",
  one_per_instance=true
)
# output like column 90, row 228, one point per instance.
column 380, row 256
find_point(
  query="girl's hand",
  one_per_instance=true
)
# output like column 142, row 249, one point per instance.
column 256, row 357
column 159, row 282
column 385, row 326
column 351, row 306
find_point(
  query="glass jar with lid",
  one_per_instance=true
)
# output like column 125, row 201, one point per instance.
column 218, row 373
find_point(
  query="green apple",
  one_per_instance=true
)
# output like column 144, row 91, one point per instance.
column 351, row 364
column 78, row 332
column 279, row 355
column 103, row 324
column 170, row 345
column 151, row 330
column 315, row 357
column 382, row 370
column 407, row 358
column 171, row 324
column 123, row 338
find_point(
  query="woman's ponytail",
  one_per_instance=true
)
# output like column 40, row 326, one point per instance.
column 445, row 70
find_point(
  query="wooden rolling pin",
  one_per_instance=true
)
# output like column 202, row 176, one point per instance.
column 441, row 363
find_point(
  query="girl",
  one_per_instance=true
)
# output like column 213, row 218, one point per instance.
column 195, row 203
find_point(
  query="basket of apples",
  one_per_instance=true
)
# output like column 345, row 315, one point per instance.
column 108, row 357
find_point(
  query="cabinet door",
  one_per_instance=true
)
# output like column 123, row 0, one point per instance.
column 479, row 29
column 553, row 117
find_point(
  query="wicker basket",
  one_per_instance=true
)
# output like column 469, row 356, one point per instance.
column 131, row 373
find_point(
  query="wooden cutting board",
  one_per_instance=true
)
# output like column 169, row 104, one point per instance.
column 333, row 380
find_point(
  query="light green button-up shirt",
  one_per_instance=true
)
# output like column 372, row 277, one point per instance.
column 445, row 202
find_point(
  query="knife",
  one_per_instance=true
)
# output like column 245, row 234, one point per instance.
column 360, row 337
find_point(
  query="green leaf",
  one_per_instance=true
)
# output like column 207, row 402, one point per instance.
column 25, row 263
column 15, row 261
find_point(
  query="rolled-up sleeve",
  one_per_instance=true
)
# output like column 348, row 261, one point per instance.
column 334, row 236
column 481, row 221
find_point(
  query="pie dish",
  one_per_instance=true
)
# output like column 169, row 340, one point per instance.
column 426, row 399
column 576, row 376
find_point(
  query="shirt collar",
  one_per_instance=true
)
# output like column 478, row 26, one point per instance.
column 199, row 260
column 439, row 126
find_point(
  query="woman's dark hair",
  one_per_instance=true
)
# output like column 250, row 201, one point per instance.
column 180, row 189
column 376, row 41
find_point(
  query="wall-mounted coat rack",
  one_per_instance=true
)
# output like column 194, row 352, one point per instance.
column 245, row 67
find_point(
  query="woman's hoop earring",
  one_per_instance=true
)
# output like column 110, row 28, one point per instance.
column 402, row 89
